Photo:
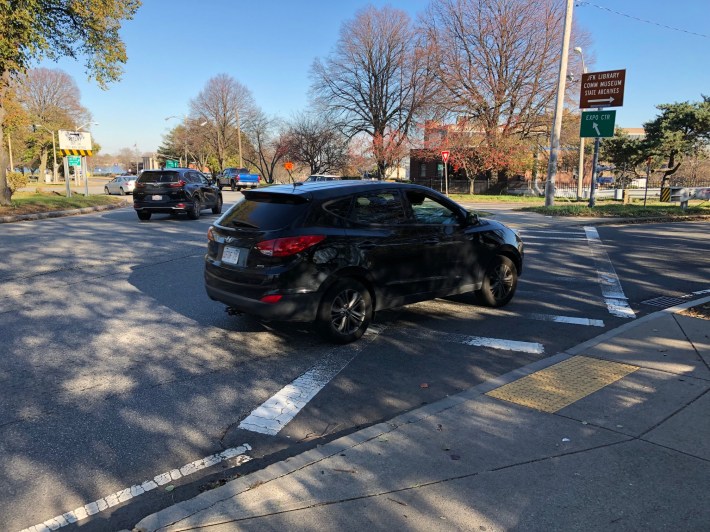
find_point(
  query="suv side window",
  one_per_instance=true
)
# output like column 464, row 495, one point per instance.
column 426, row 210
column 384, row 207
column 332, row 213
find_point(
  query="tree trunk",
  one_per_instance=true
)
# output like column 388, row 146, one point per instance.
column 42, row 165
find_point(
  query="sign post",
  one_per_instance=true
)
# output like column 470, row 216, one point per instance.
column 288, row 166
column 600, row 89
column 445, row 158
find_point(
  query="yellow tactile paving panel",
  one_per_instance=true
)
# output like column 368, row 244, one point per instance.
column 553, row 388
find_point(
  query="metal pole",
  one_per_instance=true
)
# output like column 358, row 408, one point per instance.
column 54, row 155
column 66, row 176
column 239, row 138
column 85, row 173
column 593, row 186
column 648, row 176
column 580, row 171
column 560, row 100
column 9, row 151
column 446, row 177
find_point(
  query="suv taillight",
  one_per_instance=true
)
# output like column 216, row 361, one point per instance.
column 179, row 184
column 283, row 247
column 140, row 185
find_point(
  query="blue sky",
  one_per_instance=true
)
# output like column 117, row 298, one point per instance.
column 175, row 46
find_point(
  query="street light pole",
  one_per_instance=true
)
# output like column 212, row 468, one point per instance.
column 557, row 125
column 580, row 171
column 239, row 139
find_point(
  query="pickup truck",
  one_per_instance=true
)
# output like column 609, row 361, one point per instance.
column 237, row 179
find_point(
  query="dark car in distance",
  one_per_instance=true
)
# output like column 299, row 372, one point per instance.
column 175, row 191
column 335, row 252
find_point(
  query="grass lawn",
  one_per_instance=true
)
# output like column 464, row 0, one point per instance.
column 603, row 208
column 37, row 202
column 497, row 198
column 614, row 209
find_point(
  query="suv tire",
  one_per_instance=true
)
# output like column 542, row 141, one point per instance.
column 217, row 206
column 499, row 282
column 194, row 212
column 345, row 311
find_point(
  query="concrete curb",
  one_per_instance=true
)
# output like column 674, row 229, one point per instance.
column 207, row 499
column 60, row 214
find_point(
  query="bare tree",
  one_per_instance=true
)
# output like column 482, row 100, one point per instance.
column 228, row 107
column 377, row 80
column 268, row 145
column 496, row 62
column 315, row 143
column 51, row 99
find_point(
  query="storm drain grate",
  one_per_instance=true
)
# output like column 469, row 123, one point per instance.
column 665, row 301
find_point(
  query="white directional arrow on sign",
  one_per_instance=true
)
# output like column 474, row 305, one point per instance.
column 596, row 128
column 603, row 100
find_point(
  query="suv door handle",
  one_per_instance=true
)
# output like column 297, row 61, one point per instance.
column 367, row 245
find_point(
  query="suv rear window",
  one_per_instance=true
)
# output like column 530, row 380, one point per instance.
column 159, row 177
column 266, row 211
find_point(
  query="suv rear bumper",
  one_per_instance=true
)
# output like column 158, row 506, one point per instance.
column 301, row 307
column 163, row 208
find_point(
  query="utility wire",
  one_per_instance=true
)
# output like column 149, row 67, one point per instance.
column 582, row 3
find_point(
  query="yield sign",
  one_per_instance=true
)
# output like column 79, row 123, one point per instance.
column 445, row 155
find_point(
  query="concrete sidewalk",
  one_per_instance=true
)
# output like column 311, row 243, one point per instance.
column 613, row 434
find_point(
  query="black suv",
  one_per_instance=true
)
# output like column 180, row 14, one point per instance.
column 335, row 252
column 174, row 191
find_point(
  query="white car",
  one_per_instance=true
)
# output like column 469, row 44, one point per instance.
column 122, row 185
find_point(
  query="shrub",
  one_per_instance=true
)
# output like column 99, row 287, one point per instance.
column 16, row 180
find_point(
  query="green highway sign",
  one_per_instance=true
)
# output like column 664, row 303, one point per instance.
column 170, row 163
column 597, row 124
column 74, row 160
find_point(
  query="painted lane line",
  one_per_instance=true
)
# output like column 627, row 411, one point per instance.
column 280, row 409
column 496, row 343
column 546, row 232
column 479, row 341
column 572, row 320
column 616, row 301
column 123, row 495
column 569, row 238
column 565, row 319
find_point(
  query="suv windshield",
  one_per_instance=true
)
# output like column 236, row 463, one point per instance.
column 159, row 177
column 266, row 211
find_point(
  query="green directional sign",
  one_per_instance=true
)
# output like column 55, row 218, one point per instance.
column 170, row 163
column 74, row 160
column 597, row 124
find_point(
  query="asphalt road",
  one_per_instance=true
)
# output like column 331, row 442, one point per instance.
column 116, row 367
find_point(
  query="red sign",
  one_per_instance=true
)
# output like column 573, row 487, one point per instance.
column 602, row 89
column 445, row 155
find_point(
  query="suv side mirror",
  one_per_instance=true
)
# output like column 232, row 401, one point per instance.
column 471, row 218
